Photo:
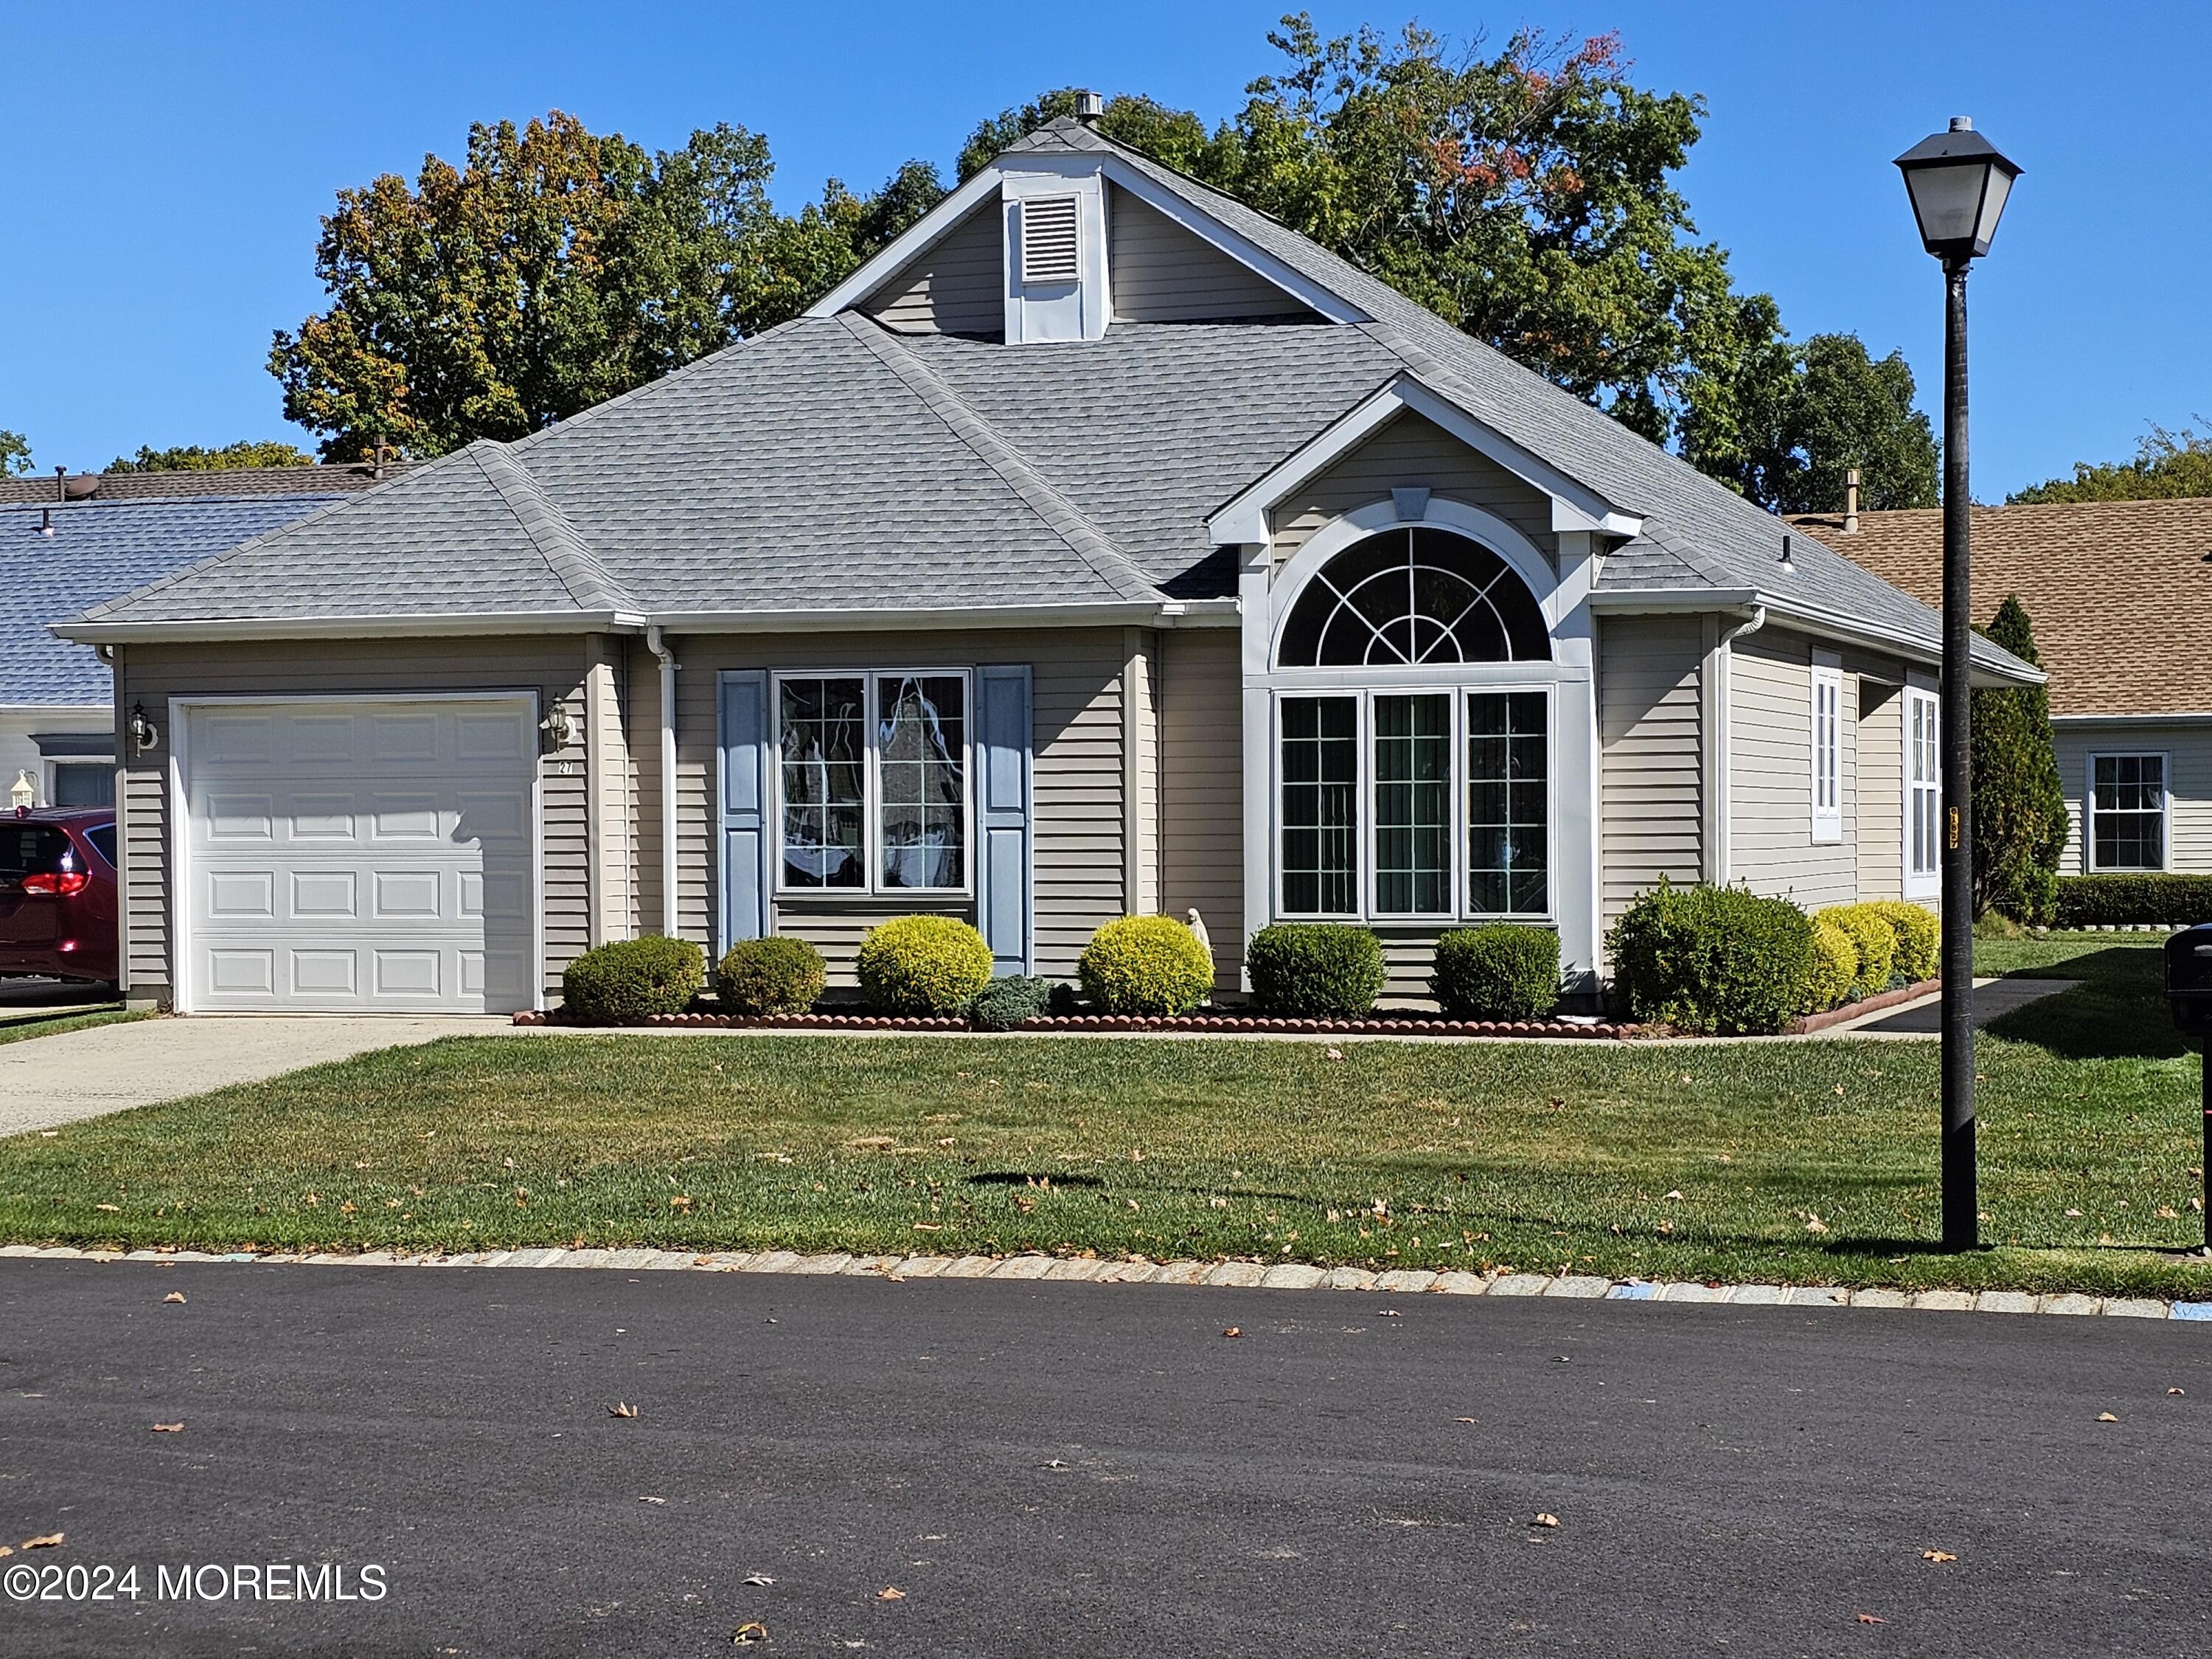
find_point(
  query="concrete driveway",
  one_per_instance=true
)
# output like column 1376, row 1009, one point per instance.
column 50, row 1081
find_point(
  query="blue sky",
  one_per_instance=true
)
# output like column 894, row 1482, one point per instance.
column 165, row 165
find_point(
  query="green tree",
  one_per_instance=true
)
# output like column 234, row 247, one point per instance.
column 550, row 270
column 190, row 458
column 2020, row 804
column 14, row 453
column 2166, row 464
column 1803, row 417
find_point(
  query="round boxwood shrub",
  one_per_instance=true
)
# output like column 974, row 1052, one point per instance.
column 1006, row 1003
column 931, row 966
column 1713, row 958
column 632, row 978
column 1874, row 937
column 1314, row 969
column 1500, row 971
column 779, row 974
column 1150, row 965
column 1835, row 966
column 1919, row 937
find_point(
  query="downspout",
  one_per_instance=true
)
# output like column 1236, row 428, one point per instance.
column 654, row 643
column 1720, row 750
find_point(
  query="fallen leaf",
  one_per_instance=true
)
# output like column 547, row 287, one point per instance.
column 174, row 1295
column 890, row 1593
column 1937, row 1555
column 702, row 1260
column 1052, row 1463
column 2075, row 1213
column 1464, row 1419
column 2165, row 1212
column 6, row 1550
column 2106, row 1416
column 1870, row 1619
column 758, row 1578
column 44, row 1541
column 2177, row 1390
column 1334, row 1054
column 1389, row 1313
column 1233, row 1330
column 748, row 1633
column 622, row 1408
column 168, row 1428
column 1545, row 1519
column 643, row 1499
column 109, row 1209
column 1674, row 1193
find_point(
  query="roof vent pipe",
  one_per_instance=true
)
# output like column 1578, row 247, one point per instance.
column 61, row 483
column 46, row 521
column 1089, row 106
column 1851, row 503
column 1787, row 567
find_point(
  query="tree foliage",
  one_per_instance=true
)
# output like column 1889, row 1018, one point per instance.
column 2166, row 464
column 190, row 458
column 2020, row 804
column 1806, row 415
column 14, row 453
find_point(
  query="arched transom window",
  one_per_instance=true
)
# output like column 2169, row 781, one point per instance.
column 1413, row 596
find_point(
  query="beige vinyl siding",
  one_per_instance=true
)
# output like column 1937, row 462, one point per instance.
column 1771, row 846
column 1881, row 790
column 1077, row 841
column 1411, row 450
column 1162, row 273
column 1202, row 788
column 1650, row 755
column 553, row 668
column 956, row 286
column 2188, row 750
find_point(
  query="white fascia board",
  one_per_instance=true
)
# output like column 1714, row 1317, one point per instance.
column 1120, row 613
column 919, row 235
column 350, row 628
column 1575, row 505
column 2179, row 717
column 1207, row 228
column 50, row 710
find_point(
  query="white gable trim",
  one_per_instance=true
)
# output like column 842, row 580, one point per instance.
column 1575, row 505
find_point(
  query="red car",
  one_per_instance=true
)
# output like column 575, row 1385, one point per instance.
column 57, row 894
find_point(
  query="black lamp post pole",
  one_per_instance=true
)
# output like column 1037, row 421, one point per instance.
column 1961, row 1203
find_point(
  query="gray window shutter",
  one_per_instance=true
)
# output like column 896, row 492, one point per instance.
column 1002, row 815
column 744, row 804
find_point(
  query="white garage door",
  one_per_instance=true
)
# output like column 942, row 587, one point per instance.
column 359, row 856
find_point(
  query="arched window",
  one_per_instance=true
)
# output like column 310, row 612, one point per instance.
column 1414, row 595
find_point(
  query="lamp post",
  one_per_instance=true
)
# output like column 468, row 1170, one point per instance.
column 1957, row 182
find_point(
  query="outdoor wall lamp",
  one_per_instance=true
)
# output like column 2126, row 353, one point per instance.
column 143, row 733
column 1958, row 184
column 561, row 728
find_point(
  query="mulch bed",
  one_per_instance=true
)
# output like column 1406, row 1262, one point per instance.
column 1379, row 1025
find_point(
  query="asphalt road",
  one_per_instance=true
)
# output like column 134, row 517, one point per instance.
column 1088, row 1469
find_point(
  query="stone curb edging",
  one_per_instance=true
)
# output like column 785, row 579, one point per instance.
column 1604, row 1030
column 1248, row 1275
column 1844, row 1013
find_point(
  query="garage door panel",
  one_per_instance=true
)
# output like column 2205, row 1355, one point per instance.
column 361, row 857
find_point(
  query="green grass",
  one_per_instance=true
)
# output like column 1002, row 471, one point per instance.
column 1805, row 1162
column 16, row 1024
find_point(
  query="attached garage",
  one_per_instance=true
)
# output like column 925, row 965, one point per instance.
column 356, row 854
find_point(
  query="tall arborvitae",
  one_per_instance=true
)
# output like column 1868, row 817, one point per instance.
column 2019, row 805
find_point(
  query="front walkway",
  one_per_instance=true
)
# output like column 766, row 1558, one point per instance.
column 50, row 1081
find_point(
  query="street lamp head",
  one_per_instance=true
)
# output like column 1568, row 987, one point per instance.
column 1959, row 181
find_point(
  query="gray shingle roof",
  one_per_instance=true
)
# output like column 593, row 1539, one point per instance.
column 101, row 547
column 830, row 464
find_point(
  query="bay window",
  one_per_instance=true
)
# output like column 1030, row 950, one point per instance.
column 873, row 772
column 2127, row 804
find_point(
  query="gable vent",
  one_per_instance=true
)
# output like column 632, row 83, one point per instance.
column 1050, row 253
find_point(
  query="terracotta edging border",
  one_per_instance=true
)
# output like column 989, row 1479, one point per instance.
column 1873, row 1005
column 1249, row 1024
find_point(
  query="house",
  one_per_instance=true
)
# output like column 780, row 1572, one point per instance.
column 2120, row 595
column 67, row 539
column 1101, row 546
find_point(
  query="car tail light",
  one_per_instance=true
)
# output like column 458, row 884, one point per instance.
column 59, row 882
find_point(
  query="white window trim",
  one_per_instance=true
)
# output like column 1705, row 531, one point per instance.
column 871, row 788
column 56, row 763
column 1456, row 689
column 2089, row 811
column 1918, row 883
column 1827, row 768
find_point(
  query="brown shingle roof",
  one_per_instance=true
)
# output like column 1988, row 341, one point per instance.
column 2120, row 592
column 228, row 485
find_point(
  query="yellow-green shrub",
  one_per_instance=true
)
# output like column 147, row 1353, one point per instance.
column 1875, row 936
column 1919, row 937
column 922, row 965
column 1145, row 966
column 1835, row 966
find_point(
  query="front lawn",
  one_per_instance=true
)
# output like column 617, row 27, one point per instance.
column 1809, row 1163
column 17, row 1024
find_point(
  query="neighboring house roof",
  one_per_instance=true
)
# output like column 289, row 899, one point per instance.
column 833, row 466
column 229, row 483
column 103, row 547
column 2119, row 592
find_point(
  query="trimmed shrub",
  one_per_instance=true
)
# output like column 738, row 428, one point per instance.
column 926, row 966
column 779, row 974
column 1006, row 1003
column 2150, row 901
column 1874, row 938
column 1919, row 937
column 1150, row 965
column 632, row 978
column 1713, row 958
column 1835, row 966
column 1499, row 971
column 1314, row 969
column 2019, row 805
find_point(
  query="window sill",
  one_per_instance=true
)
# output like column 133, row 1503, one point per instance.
column 907, row 895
